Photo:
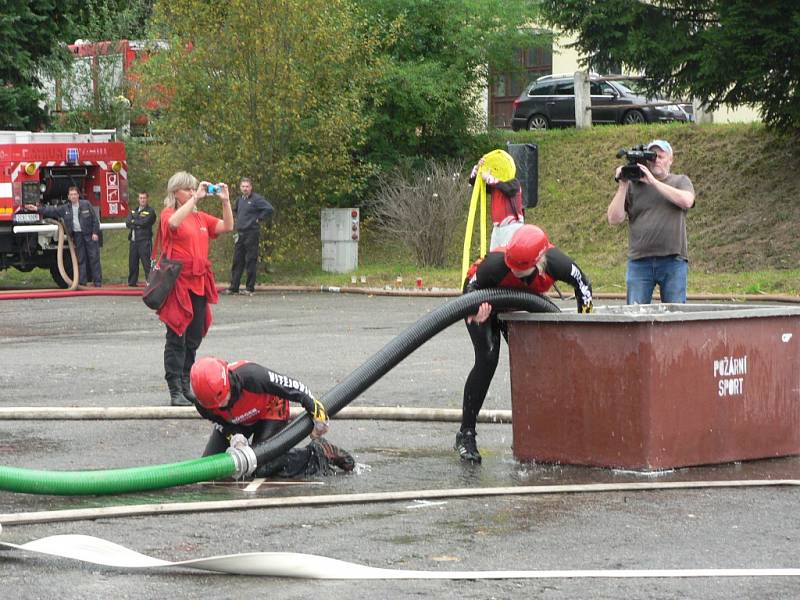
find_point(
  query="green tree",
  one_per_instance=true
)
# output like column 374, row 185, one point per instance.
column 30, row 33
column 100, row 20
column 731, row 52
column 272, row 90
column 428, row 97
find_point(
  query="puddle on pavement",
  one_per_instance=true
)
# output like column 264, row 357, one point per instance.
column 393, row 469
column 556, row 474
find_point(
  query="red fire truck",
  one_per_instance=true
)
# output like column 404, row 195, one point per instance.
column 39, row 168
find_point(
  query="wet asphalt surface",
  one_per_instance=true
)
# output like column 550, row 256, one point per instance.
column 107, row 351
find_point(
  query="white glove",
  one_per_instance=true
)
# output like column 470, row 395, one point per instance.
column 239, row 441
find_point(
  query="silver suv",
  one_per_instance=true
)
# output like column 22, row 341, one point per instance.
column 550, row 102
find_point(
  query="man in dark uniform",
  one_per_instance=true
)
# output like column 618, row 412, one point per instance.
column 531, row 263
column 250, row 209
column 83, row 226
column 140, row 233
column 246, row 400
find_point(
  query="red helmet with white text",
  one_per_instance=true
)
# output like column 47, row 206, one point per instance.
column 525, row 248
column 211, row 381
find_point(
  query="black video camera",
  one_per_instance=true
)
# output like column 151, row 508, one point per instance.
column 636, row 156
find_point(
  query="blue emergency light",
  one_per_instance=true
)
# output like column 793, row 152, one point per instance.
column 72, row 156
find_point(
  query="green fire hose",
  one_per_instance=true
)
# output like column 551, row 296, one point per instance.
column 117, row 481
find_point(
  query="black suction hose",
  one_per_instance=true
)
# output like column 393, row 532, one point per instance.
column 392, row 353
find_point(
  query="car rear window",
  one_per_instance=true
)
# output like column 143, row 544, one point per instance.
column 544, row 88
column 565, row 88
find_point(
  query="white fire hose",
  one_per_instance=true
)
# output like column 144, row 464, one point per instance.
column 307, row 566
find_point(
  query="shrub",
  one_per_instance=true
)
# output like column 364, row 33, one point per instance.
column 422, row 210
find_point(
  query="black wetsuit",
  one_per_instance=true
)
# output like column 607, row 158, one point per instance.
column 492, row 272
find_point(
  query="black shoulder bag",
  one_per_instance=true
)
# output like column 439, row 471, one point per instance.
column 162, row 276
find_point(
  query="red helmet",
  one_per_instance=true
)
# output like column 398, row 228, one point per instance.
column 525, row 248
column 211, row 381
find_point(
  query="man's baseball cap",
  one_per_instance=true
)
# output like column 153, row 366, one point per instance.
column 663, row 144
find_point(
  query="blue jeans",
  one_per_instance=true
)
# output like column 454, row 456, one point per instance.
column 670, row 273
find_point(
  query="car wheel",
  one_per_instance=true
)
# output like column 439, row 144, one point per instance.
column 633, row 117
column 538, row 122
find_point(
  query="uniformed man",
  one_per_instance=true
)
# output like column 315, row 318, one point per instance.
column 250, row 209
column 82, row 224
column 140, row 233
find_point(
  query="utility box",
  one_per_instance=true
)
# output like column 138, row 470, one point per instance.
column 340, row 232
column 656, row 386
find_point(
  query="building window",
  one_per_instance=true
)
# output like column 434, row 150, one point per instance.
column 533, row 63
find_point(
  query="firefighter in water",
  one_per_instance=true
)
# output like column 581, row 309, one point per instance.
column 529, row 262
column 83, row 226
column 140, row 233
column 249, row 403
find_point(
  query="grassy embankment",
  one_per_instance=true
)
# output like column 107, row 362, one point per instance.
column 743, row 231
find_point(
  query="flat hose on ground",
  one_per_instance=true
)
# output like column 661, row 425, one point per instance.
column 120, row 481
column 395, row 351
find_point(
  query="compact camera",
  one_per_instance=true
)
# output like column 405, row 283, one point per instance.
column 638, row 155
column 213, row 189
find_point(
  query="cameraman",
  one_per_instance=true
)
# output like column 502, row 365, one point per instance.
column 656, row 205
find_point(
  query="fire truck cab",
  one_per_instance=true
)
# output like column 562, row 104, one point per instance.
column 39, row 168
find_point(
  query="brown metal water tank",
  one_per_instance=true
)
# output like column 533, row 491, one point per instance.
column 656, row 386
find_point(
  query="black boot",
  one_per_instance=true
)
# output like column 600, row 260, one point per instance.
column 186, row 387
column 176, row 397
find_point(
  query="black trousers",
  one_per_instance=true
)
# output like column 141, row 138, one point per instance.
column 486, row 344
column 245, row 258
column 139, row 252
column 88, row 251
column 180, row 350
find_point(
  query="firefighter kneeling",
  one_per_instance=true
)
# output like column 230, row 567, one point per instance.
column 249, row 403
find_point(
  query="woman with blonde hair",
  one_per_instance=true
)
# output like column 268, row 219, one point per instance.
column 185, row 232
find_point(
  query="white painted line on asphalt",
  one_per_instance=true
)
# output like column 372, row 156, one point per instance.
column 425, row 504
column 254, row 485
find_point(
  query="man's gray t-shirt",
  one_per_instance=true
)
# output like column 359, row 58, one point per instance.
column 656, row 226
column 76, row 220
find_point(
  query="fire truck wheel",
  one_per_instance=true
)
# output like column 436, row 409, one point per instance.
column 57, row 276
